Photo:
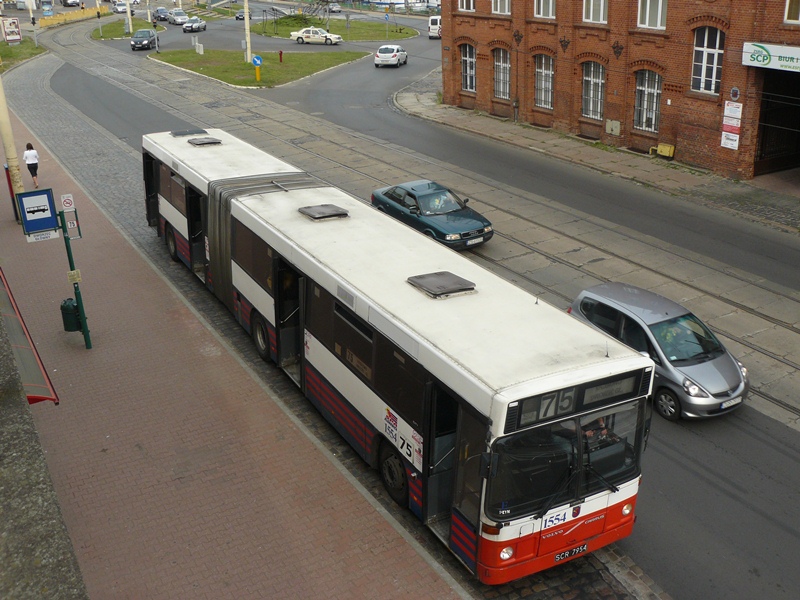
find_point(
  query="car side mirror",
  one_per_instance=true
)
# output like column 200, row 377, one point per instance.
column 414, row 209
column 465, row 201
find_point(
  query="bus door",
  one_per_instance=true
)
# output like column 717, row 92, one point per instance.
column 151, row 173
column 288, row 322
column 454, row 476
column 195, row 220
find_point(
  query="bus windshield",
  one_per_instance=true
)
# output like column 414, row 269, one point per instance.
column 564, row 461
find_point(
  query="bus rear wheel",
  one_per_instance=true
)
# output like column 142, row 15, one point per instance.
column 172, row 246
column 393, row 474
column 260, row 336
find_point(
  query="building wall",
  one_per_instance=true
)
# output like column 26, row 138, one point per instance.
column 691, row 121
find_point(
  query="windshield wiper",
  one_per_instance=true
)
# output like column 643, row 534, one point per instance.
column 556, row 493
column 602, row 479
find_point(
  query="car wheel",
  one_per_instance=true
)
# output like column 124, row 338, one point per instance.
column 667, row 404
column 328, row 41
column 397, row 64
column 393, row 474
column 376, row 66
column 405, row 62
column 300, row 40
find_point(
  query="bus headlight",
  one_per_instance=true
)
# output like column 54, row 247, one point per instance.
column 506, row 553
column 627, row 509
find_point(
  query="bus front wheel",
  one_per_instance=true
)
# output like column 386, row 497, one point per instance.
column 260, row 336
column 172, row 247
column 393, row 474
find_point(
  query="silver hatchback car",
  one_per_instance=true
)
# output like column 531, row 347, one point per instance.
column 695, row 375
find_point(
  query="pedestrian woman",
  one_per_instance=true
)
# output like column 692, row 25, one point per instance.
column 31, row 158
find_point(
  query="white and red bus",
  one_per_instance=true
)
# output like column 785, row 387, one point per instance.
column 512, row 430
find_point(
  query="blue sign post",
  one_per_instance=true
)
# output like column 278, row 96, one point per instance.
column 41, row 221
column 257, row 60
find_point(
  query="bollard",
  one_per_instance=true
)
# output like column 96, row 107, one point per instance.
column 280, row 55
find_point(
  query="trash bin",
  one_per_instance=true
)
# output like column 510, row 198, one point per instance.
column 70, row 315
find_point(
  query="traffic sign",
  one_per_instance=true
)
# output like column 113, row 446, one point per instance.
column 67, row 201
column 386, row 17
column 257, row 60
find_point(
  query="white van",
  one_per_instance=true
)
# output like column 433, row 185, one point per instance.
column 434, row 27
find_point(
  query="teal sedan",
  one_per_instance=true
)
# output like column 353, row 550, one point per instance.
column 436, row 211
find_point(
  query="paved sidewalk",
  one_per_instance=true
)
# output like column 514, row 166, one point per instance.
column 773, row 199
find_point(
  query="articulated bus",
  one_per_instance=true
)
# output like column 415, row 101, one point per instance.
column 512, row 430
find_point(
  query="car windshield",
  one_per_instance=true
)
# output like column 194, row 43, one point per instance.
column 386, row 50
column 439, row 203
column 179, row 13
column 557, row 463
column 686, row 339
column 141, row 34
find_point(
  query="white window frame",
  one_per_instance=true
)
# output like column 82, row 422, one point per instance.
column 502, row 73
column 545, row 9
column 647, row 105
column 501, row 7
column 468, row 5
column 543, row 89
column 468, row 68
column 653, row 14
column 593, row 90
column 792, row 11
column 595, row 11
column 707, row 60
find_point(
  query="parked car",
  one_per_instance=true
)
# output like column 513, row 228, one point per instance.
column 334, row 7
column 194, row 24
column 177, row 16
column 314, row 35
column 435, row 211
column 695, row 375
column 161, row 13
column 391, row 55
column 240, row 15
column 120, row 7
column 143, row 39
column 70, row 2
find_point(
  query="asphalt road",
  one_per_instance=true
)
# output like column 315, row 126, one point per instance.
column 718, row 502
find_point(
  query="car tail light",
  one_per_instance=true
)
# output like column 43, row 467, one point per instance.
column 569, row 310
column 372, row 198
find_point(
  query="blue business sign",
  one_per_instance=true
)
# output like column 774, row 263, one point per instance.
column 38, row 212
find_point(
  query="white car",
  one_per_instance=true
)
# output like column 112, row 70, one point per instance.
column 334, row 7
column 177, row 17
column 120, row 7
column 194, row 24
column 314, row 35
column 392, row 55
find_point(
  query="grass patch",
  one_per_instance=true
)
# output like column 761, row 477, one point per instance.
column 13, row 55
column 359, row 31
column 229, row 66
column 116, row 29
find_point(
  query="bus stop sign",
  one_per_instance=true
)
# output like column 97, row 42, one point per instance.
column 38, row 211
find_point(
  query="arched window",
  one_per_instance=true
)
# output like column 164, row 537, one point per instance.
column 709, row 44
column 647, row 108
column 544, row 81
column 594, row 89
column 502, row 73
column 468, row 68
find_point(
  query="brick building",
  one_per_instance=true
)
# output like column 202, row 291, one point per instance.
column 716, row 82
